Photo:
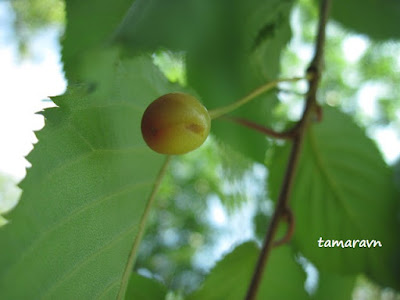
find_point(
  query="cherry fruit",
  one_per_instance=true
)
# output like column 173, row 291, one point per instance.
column 175, row 123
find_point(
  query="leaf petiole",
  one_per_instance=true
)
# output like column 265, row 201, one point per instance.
column 142, row 226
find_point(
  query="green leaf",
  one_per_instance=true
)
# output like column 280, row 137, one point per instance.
column 334, row 286
column 239, row 52
column 143, row 288
column 90, row 24
column 378, row 19
column 70, row 235
column 231, row 276
column 396, row 172
column 343, row 191
column 151, row 24
column 232, row 47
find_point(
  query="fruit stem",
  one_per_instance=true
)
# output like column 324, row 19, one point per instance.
column 218, row 112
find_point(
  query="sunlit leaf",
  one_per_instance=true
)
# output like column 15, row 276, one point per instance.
column 71, row 233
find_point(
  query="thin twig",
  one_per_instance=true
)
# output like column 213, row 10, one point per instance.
column 273, row 226
column 283, row 199
column 142, row 226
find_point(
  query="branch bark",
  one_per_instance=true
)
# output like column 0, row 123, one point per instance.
column 299, row 130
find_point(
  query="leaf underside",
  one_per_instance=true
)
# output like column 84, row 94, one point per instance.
column 378, row 19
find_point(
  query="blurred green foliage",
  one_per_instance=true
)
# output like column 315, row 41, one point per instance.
column 31, row 16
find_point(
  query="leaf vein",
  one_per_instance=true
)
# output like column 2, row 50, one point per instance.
column 68, row 218
column 86, row 260
column 328, row 178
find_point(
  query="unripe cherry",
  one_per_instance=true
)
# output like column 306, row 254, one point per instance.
column 175, row 123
